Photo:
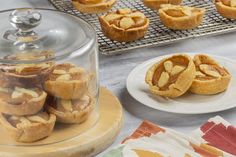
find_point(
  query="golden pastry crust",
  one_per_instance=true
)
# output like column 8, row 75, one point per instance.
column 21, row 101
column 97, row 7
column 171, row 77
column 181, row 17
column 71, row 111
column 21, row 129
column 65, row 83
column 156, row 4
column 226, row 9
column 124, row 25
column 211, row 78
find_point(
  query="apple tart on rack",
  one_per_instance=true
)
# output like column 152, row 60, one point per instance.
column 124, row 25
column 93, row 6
column 181, row 17
column 156, row 4
column 226, row 8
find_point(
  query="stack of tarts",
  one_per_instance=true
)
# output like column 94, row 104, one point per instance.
column 34, row 96
column 174, row 76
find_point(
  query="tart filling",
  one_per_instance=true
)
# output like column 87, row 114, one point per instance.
column 67, row 81
column 70, row 111
column 227, row 8
column 211, row 78
column 181, row 17
column 21, row 101
column 124, row 25
column 171, row 77
column 93, row 6
column 28, row 128
column 156, row 4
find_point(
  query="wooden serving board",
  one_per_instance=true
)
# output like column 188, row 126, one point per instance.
column 86, row 144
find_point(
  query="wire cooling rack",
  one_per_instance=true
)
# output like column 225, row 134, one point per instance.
column 157, row 34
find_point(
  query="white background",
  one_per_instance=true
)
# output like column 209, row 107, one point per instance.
column 114, row 71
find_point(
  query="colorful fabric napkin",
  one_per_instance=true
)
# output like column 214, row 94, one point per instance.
column 215, row 138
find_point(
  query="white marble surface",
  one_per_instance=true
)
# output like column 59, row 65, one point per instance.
column 115, row 69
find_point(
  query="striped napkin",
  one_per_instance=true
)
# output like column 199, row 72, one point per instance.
column 215, row 138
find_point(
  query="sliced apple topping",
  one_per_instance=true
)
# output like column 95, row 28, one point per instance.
column 18, row 92
column 59, row 72
column 90, row 1
column 112, row 16
column 209, row 70
column 168, row 65
column 177, row 69
column 200, row 74
column 65, row 77
column 67, row 105
column 126, row 23
column 233, row 3
column 124, row 11
column 37, row 119
column 163, row 80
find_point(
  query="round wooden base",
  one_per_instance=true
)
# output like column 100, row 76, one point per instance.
column 87, row 144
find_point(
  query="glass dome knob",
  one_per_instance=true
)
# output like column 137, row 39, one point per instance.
column 24, row 21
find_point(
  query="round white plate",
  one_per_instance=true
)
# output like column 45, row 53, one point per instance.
column 188, row 103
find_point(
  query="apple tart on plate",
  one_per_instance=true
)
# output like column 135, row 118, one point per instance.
column 171, row 77
column 211, row 77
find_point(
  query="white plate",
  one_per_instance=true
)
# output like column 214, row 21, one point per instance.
column 188, row 103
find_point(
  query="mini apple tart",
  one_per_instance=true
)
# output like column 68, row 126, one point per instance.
column 124, row 25
column 70, row 111
column 226, row 8
column 21, row 101
column 93, row 6
column 211, row 77
column 156, row 4
column 67, row 81
column 25, row 75
column 28, row 128
column 181, row 17
column 171, row 77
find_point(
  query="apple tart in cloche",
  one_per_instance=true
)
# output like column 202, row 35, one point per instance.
column 227, row 8
column 211, row 77
column 28, row 128
column 171, row 77
column 67, row 81
column 25, row 75
column 21, row 101
column 70, row 111
column 93, row 6
column 181, row 17
column 156, row 4
column 124, row 25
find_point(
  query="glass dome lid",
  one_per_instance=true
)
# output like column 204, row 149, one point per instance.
column 37, row 35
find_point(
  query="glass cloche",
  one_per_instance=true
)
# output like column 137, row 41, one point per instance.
column 48, row 76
